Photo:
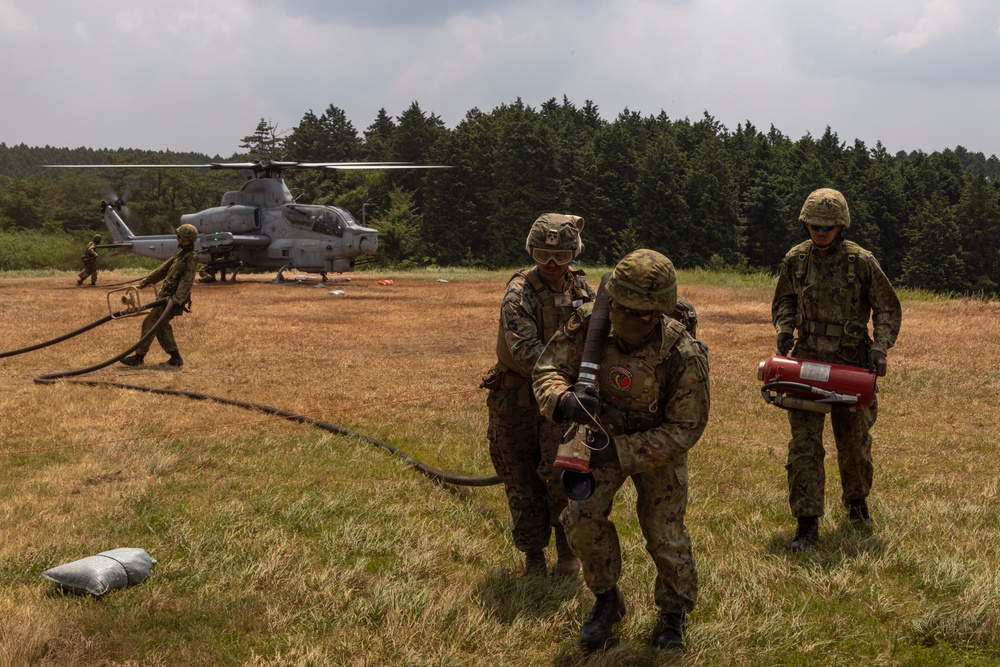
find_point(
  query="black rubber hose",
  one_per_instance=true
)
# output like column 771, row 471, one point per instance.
column 597, row 334
column 430, row 471
column 51, row 378
column 71, row 334
column 170, row 305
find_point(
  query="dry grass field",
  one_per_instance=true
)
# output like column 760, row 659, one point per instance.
column 281, row 544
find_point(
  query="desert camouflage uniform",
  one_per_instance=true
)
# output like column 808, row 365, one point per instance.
column 654, row 402
column 178, row 274
column 523, row 443
column 827, row 297
column 89, row 258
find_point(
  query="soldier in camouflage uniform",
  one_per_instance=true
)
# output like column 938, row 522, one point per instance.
column 178, row 274
column 89, row 258
column 522, row 442
column 653, row 401
column 827, row 289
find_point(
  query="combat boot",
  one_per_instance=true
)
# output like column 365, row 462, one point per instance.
column 79, row 282
column 175, row 359
column 857, row 512
column 670, row 631
column 534, row 564
column 806, row 535
column 567, row 565
column 135, row 360
column 609, row 608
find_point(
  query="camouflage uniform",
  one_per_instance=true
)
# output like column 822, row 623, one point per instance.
column 522, row 442
column 654, row 402
column 89, row 258
column 178, row 274
column 827, row 296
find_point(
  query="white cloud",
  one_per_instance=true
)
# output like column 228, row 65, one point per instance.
column 13, row 21
column 939, row 20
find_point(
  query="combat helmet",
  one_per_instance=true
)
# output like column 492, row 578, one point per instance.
column 556, row 231
column 826, row 206
column 97, row 238
column 187, row 232
column 644, row 280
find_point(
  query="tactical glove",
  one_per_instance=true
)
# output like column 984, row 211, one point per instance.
column 143, row 284
column 786, row 342
column 877, row 362
column 579, row 404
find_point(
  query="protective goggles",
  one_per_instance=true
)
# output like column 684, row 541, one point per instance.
column 543, row 255
column 821, row 228
column 630, row 311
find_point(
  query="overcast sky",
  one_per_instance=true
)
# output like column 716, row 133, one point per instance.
column 198, row 75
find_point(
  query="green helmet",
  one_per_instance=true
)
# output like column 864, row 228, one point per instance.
column 644, row 280
column 97, row 238
column 826, row 206
column 187, row 232
column 555, row 231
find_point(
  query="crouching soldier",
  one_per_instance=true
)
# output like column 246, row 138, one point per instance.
column 653, row 401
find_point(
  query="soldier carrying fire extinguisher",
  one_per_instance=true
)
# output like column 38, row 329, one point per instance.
column 828, row 288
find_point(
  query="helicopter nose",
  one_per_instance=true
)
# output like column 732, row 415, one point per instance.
column 368, row 244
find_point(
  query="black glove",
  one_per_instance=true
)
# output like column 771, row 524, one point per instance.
column 579, row 405
column 786, row 342
column 603, row 452
column 877, row 362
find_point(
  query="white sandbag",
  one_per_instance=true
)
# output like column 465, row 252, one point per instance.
column 107, row 571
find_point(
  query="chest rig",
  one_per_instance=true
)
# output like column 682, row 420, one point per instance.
column 830, row 306
column 629, row 387
column 551, row 309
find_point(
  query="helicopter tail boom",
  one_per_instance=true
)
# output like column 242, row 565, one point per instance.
column 113, row 221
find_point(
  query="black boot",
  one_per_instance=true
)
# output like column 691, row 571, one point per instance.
column 534, row 564
column 806, row 535
column 175, row 359
column 857, row 512
column 608, row 610
column 135, row 360
column 670, row 631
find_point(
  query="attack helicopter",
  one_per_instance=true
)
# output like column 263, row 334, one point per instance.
column 260, row 226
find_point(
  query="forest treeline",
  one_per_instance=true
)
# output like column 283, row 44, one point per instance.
column 705, row 195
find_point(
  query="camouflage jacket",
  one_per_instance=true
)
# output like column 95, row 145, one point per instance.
column 530, row 313
column 177, row 273
column 90, row 253
column 828, row 298
column 677, row 413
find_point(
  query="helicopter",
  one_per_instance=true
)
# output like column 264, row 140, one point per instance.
column 260, row 226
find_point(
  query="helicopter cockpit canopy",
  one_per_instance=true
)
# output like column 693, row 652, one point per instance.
column 320, row 219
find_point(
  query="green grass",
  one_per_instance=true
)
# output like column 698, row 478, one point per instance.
column 280, row 544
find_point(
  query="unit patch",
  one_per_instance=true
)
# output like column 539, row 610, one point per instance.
column 620, row 378
column 573, row 324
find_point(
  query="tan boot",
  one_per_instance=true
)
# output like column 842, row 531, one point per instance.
column 534, row 564
column 567, row 565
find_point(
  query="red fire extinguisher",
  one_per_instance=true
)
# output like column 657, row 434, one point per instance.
column 816, row 386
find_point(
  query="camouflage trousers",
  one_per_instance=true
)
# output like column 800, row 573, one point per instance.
column 661, row 504
column 164, row 335
column 89, row 269
column 806, row 474
column 523, row 447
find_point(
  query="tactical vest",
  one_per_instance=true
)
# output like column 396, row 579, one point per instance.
column 551, row 310
column 630, row 391
column 851, row 328
column 178, row 269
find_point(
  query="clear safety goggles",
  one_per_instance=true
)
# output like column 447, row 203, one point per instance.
column 543, row 255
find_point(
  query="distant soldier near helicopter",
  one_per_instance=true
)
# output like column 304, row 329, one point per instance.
column 89, row 258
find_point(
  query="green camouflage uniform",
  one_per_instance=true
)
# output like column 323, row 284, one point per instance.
column 523, row 443
column 178, row 274
column 827, row 297
column 89, row 264
column 654, row 402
